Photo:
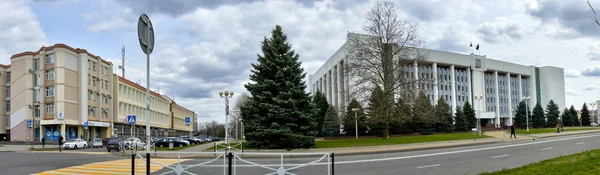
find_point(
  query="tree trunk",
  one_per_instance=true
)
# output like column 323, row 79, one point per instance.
column 386, row 130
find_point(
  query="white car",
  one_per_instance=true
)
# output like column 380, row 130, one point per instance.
column 75, row 144
column 133, row 142
column 97, row 143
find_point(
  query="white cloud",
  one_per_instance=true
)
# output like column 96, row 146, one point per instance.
column 572, row 73
column 19, row 30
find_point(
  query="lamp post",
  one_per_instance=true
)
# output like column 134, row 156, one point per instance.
column 479, row 99
column 237, row 120
column 526, row 99
column 226, row 95
column 355, row 110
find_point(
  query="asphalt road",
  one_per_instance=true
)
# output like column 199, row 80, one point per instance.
column 34, row 162
column 462, row 160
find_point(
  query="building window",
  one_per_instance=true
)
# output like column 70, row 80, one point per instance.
column 7, row 77
column 50, row 75
column 106, row 84
column 104, row 114
column 7, row 120
column 37, row 80
column 49, row 108
column 50, row 91
column 50, row 59
column 36, row 64
column 102, row 69
column 8, row 91
column 36, row 111
column 93, row 65
column 93, row 81
column 7, row 106
column 36, row 95
column 106, row 100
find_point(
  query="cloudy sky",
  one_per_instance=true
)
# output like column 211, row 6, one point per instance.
column 204, row 46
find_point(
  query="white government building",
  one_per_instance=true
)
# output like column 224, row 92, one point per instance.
column 459, row 78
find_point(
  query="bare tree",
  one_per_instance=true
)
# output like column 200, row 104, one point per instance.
column 593, row 11
column 385, row 57
column 240, row 101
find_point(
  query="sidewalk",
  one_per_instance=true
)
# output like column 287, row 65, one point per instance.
column 23, row 147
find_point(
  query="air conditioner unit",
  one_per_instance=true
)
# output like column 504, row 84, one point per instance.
column 30, row 71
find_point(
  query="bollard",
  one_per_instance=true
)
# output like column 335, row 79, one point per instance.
column 148, row 163
column 332, row 163
column 230, row 164
column 132, row 163
column 242, row 146
column 215, row 149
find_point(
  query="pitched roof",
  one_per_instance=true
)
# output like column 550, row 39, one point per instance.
column 59, row 45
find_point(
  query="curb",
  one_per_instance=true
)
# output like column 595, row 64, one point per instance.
column 566, row 134
column 416, row 149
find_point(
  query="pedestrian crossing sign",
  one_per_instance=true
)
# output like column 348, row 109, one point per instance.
column 131, row 119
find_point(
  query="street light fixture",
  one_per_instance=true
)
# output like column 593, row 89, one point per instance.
column 226, row 95
column 479, row 99
column 526, row 99
column 355, row 110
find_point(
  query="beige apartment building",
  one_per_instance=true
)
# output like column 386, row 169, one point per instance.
column 56, row 90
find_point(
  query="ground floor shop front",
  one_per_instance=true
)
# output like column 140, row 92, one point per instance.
column 52, row 132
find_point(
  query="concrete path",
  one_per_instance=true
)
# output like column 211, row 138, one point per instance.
column 23, row 147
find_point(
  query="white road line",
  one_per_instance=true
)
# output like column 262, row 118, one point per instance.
column 579, row 143
column 504, row 155
column 427, row 166
column 547, row 148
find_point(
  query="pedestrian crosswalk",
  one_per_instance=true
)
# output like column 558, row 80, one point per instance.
column 122, row 166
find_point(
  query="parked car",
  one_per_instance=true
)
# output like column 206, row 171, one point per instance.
column 164, row 142
column 113, row 144
column 191, row 140
column 134, row 142
column 105, row 140
column 75, row 144
column 97, row 143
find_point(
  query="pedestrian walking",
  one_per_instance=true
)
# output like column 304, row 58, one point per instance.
column 60, row 141
column 43, row 142
column 558, row 128
column 512, row 131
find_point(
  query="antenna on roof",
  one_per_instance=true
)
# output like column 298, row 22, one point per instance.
column 122, row 66
column 158, row 89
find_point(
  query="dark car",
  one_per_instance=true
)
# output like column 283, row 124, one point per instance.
column 104, row 141
column 113, row 144
column 164, row 142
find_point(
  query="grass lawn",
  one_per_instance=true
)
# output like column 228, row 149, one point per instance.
column 395, row 140
column 581, row 163
column 43, row 149
column 550, row 130
column 175, row 148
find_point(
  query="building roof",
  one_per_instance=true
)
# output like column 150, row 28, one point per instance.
column 185, row 109
column 59, row 45
column 4, row 66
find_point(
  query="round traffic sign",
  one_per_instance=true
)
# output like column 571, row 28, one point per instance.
column 146, row 34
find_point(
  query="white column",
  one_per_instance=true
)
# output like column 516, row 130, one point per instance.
column 453, row 88
column 335, row 94
column 435, row 83
column 341, row 85
column 520, row 88
column 497, row 122
column 416, row 75
column 329, row 88
column 510, row 112
column 469, row 86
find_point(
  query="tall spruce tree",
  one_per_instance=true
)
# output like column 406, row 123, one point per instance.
column 350, row 117
column 278, row 111
column 469, row 113
column 521, row 115
column 444, row 116
column 320, row 107
column 331, row 126
column 566, row 117
column 539, row 120
column 376, row 111
column 573, row 116
column 424, row 121
column 552, row 114
column 585, row 116
column 461, row 123
column 402, row 123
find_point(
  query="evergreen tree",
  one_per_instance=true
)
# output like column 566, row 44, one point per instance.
column 444, row 117
column 573, row 116
column 331, row 126
column 376, row 112
column 469, row 113
column 585, row 116
column 521, row 114
column 539, row 120
column 320, row 107
column 552, row 114
column 424, row 121
column 349, row 119
column 566, row 118
column 278, row 112
column 461, row 121
column 402, row 123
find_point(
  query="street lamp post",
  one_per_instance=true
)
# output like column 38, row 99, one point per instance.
column 479, row 99
column 355, row 110
column 226, row 95
column 526, row 99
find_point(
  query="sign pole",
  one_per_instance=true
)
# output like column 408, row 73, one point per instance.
column 146, row 39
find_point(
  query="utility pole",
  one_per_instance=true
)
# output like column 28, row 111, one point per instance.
column 122, row 66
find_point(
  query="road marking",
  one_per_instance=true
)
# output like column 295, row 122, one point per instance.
column 427, row 166
column 122, row 166
column 547, row 148
column 493, row 157
column 579, row 143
